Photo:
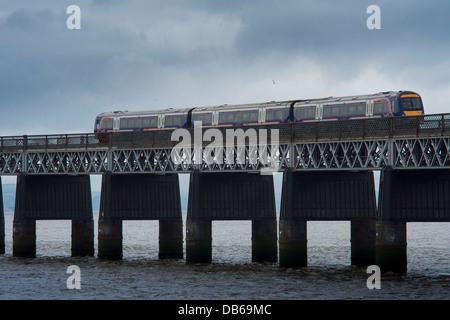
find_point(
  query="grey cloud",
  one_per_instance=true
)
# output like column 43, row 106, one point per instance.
column 149, row 54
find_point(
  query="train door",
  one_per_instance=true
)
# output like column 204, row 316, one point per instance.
column 215, row 118
column 116, row 124
column 369, row 108
column 262, row 115
column 160, row 121
column 319, row 112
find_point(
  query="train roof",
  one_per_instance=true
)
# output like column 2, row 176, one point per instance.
column 286, row 103
column 384, row 94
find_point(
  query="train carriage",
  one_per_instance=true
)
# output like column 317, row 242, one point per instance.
column 383, row 104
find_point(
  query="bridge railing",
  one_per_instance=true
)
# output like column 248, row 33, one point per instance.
column 355, row 129
column 39, row 142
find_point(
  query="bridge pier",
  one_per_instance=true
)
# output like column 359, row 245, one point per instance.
column 110, row 239
column 140, row 197
column 293, row 243
column 408, row 196
column 2, row 221
column 83, row 238
column 363, row 242
column 170, row 239
column 198, row 241
column 24, row 238
column 391, row 246
column 264, row 240
column 53, row 197
column 321, row 196
column 231, row 196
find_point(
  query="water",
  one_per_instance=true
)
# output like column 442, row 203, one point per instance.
column 231, row 275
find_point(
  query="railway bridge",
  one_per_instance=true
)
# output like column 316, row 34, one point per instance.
column 328, row 174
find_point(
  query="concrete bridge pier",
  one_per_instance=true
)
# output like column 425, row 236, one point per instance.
column 293, row 243
column 83, row 238
column 391, row 246
column 264, row 240
column 140, row 197
column 110, row 239
column 363, row 242
column 198, row 241
column 320, row 196
column 170, row 239
column 231, row 196
column 2, row 222
column 2, row 235
column 24, row 238
column 53, row 197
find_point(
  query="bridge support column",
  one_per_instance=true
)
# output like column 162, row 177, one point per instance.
column 140, row 197
column 264, row 241
column 293, row 243
column 83, row 238
column 363, row 238
column 391, row 246
column 170, row 239
column 231, row 196
column 53, row 197
column 320, row 196
column 110, row 239
column 198, row 241
column 2, row 222
column 24, row 238
column 2, row 234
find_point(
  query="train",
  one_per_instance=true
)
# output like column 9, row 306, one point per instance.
column 382, row 104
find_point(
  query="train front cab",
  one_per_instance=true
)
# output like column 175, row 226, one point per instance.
column 410, row 104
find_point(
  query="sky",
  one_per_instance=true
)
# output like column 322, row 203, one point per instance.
column 141, row 54
column 148, row 54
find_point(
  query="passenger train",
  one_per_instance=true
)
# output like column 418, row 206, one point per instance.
column 383, row 104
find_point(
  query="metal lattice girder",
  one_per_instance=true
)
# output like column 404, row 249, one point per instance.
column 370, row 154
column 422, row 153
column 10, row 163
column 64, row 162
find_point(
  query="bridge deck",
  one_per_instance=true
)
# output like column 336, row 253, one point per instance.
column 363, row 144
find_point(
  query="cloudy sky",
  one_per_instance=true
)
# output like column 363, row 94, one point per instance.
column 141, row 54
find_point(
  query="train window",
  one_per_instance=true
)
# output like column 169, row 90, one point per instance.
column 380, row 107
column 173, row 121
column 126, row 123
column 253, row 116
column 361, row 109
column 327, row 112
column 107, row 124
column 356, row 109
column 138, row 123
column 246, row 116
column 351, row 110
column 411, row 103
column 205, row 118
column 153, row 122
column 226, row 117
column 335, row 111
column 343, row 111
column 150, row 122
column 275, row 115
column 306, row 113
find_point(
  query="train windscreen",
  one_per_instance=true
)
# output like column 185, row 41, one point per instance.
column 411, row 102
